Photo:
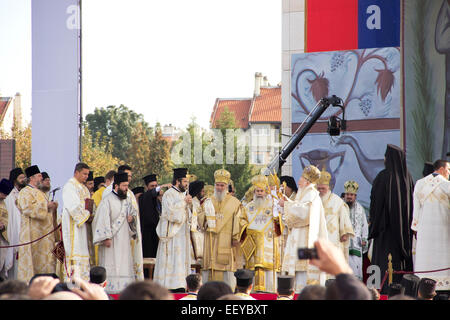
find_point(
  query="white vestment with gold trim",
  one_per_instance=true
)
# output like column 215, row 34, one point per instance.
column 431, row 221
column 74, row 229
column 305, row 219
column 111, row 222
column 173, row 258
column 338, row 221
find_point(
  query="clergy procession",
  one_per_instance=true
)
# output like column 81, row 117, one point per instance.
column 247, row 246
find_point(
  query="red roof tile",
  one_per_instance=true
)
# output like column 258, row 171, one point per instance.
column 4, row 102
column 267, row 106
column 240, row 108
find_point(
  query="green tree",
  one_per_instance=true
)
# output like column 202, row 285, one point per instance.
column 95, row 156
column 241, row 173
column 139, row 154
column 23, row 147
column 227, row 120
column 115, row 126
column 160, row 156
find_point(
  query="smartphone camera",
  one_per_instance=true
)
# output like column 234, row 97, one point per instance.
column 307, row 253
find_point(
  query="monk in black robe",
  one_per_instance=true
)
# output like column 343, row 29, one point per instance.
column 391, row 207
column 149, row 210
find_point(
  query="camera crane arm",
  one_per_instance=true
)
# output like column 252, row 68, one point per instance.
column 279, row 160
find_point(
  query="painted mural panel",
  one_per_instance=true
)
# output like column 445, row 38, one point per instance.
column 369, row 83
column 357, row 155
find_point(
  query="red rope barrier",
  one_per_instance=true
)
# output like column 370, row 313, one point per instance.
column 36, row 240
column 27, row 243
column 384, row 280
column 437, row 270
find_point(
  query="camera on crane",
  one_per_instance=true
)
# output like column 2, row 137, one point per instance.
column 335, row 125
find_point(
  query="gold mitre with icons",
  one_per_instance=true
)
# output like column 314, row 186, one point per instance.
column 260, row 181
column 209, row 190
column 191, row 177
column 351, row 187
column 311, row 173
column 222, row 175
column 325, row 177
column 272, row 179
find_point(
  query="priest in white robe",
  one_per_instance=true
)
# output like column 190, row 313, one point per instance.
column 5, row 189
column 173, row 257
column 75, row 215
column 18, row 179
column 431, row 223
column 358, row 243
column 339, row 226
column 305, row 218
column 136, row 242
column 114, row 227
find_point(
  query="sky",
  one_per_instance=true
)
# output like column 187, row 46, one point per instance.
column 15, row 51
column 168, row 60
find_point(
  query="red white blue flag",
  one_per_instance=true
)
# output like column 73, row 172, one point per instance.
column 333, row 25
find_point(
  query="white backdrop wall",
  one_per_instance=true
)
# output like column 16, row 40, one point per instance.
column 55, row 89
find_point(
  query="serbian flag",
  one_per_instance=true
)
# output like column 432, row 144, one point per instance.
column 333, row 25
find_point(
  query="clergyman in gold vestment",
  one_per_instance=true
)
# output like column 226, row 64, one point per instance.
column 36, row 221
column 219, row 260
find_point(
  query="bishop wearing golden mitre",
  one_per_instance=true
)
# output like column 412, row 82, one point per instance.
column 305, row 219
column 260, row 235
column 337, row 213
column 221, row 243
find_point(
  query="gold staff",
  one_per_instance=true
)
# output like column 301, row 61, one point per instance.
column 211, row 250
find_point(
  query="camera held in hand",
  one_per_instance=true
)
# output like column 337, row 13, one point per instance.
column 307, row 253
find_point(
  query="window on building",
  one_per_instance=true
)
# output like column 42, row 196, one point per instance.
column 258, row 157
column 260, row 132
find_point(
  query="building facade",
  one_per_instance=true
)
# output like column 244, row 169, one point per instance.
column 259, row 117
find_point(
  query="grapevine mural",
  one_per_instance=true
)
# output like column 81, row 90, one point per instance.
column 368, row 81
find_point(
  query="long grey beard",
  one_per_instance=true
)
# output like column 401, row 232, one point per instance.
column 259, row 202
column 220, row 195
